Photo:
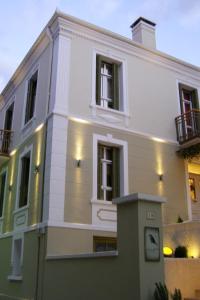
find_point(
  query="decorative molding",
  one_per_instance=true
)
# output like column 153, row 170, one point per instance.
column 107, row 215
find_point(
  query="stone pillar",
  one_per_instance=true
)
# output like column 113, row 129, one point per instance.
column 140, row 244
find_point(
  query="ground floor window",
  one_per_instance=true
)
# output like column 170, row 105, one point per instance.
column 17, row 256
column 108, row 169
column 2, row 191
column 104, row 243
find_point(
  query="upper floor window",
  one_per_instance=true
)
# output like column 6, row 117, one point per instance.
column 104, row 243
column 31, row 95
column 188, row 98
column 107, row 83
column 108, row 169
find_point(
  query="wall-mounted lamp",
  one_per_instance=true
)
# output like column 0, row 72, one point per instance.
column 160, row 177
column 37, row 169
column 10, row 187
column 78, row 163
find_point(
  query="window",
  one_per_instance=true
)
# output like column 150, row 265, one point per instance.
column 104, row 244
column 17, row 257
column 24, row 180
column 107, row 83
column 192, row 189
column 31, row 95
column 188, row 98
column 2, row 191
column 9, row 117
column 108, row 169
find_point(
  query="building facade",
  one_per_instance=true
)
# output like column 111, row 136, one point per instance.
column 89, row 116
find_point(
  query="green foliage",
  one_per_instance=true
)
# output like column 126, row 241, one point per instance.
column 176, row 295
column 179, row 220
column 190, row 152
column 180, row 252
column 161, row 292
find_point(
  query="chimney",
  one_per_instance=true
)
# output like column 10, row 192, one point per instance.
column 143, row 32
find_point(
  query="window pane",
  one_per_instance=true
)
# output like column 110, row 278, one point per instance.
column 109, row 88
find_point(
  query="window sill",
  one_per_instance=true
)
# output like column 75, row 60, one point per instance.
column 18, row 210
column 101, row 202
column 110, row 110
column 15, row 278
column 28, row 124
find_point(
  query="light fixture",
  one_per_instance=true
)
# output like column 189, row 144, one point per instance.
column 160, row 176
column 37, row 169
column 78, row 163
column 167, row 251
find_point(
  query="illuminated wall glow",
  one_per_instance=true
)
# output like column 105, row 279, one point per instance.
column 39, row 127
column 79, row 149
column 13, row 152
column 35, row 202
column 193, row 251
column 159, row 169
column 80, row 120
column 158, row 140
column 8, row 214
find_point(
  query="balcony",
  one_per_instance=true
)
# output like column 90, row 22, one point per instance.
column 5, row 140
column 188, row 128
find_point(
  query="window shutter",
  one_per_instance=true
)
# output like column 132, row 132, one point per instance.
column 195, row 101
column 115, row 83
column 98, row 79
column 99, row 173
column 116, row 173
column 181, row 97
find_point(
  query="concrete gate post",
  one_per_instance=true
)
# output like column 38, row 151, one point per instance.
column 140, row 240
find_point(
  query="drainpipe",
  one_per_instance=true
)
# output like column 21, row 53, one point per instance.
column 41, row 232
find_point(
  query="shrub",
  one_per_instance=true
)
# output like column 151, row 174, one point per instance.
column 180, row 252
column 161, row 292
column 177, row 295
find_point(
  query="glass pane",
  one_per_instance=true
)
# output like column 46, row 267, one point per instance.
column 109, row 153
column 109, row 175
column 187, row 95
column 109, row 69
column 109, row 195
column 109, row 88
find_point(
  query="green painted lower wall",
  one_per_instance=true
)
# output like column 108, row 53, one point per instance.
column 25, row 288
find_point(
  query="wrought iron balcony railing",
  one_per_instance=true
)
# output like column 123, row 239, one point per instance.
column 188, row 126
column 5, row 140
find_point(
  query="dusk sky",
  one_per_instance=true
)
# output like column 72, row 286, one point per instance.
column 177, row 31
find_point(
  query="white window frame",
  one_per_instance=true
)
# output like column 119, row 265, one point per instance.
column 123, row 95
column 4, row 170
column 31, row 73
column 112, row 142
column 17, row 236
column 189, row 84
column 25, row 151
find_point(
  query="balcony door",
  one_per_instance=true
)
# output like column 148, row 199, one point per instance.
column 188, row 103
column 7, row 129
